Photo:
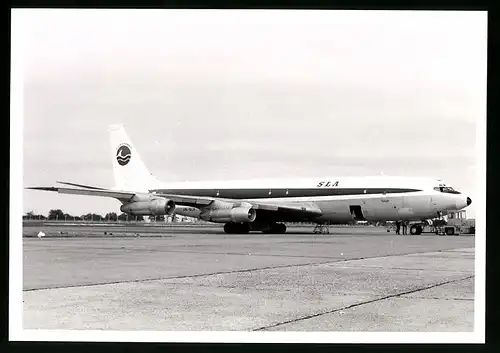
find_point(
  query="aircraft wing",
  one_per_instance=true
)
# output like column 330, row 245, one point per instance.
column 283, row 211
column 125, row 196
column 290, row 210
column 296, row 211
column 120, row 195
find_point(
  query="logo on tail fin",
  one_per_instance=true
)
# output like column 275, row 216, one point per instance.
column 123, row 154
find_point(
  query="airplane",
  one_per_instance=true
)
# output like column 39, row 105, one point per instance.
column 265, row 205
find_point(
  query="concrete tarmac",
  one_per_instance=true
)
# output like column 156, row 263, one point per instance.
column 355, row 279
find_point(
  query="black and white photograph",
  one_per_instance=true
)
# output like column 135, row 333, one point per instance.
column 248, row 175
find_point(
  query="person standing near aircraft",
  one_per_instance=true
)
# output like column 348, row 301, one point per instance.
column 405, row 228
column 398, row 227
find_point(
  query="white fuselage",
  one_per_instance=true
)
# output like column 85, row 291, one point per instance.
column 340, row 199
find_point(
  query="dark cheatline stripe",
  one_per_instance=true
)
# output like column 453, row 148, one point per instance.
column 279, row 193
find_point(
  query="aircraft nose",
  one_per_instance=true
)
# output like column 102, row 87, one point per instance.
column 469, row 201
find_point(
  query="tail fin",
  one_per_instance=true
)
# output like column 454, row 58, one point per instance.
column 129, row 170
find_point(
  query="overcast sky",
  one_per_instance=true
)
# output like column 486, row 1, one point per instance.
column 214, row 95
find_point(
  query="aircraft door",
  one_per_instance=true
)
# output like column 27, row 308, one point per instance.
column 434, row 203
column 357, row 213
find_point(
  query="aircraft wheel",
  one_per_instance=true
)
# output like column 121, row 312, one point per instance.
column 228, row 228
column 235, row 228
column 269, row 229
column 278, row 228
column 244, row 228
column 275, row 228
column 416, row 229
column 281, row 228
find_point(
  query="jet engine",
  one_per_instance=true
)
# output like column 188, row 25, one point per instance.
column 236, row 215
column 154, row 207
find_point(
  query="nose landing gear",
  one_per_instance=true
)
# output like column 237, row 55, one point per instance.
column 416, row 229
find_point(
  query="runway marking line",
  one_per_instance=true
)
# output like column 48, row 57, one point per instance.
column 219, row 272
column 438, row 298
column 361, row 303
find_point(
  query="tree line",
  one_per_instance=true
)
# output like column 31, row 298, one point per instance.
column 58, row 214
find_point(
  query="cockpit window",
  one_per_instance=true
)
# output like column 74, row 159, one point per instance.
column 446, row 189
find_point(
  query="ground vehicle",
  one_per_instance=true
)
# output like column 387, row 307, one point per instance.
column 453, row 224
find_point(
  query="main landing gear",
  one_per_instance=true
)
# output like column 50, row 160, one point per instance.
column 236, row 228
column 275, row 228
column 243, row 228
